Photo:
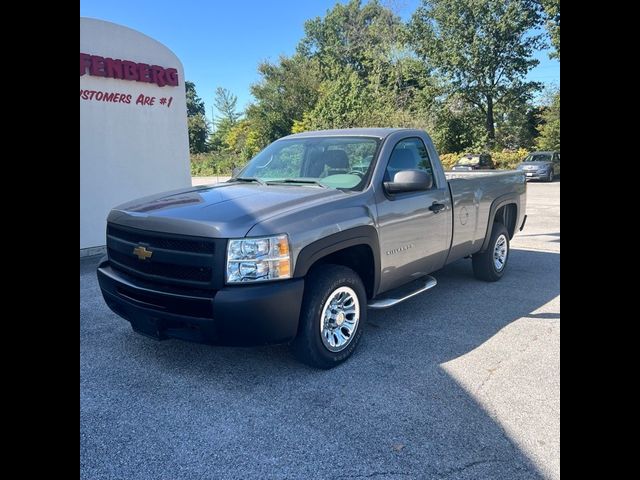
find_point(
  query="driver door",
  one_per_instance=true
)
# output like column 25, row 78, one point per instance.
column 414, row 227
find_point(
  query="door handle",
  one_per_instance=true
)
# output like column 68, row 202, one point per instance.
column 436, row 207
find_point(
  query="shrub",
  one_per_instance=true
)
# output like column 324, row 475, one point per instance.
column 214, row 163
column 508, row 159
column 503, row 160
column 449, row 159
column 201, row 165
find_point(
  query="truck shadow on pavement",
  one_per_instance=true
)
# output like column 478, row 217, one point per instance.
column 179, row 410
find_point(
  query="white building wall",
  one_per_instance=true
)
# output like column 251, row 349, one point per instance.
column 127, row 150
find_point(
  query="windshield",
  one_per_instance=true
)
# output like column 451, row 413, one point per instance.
column 538, row 157
column 469, row 161
column 335, row 162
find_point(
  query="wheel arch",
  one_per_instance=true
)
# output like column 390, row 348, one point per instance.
column 505, row 208
column 357, row 248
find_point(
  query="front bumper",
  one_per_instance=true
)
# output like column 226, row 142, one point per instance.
column 535, row 175
column 243, row 315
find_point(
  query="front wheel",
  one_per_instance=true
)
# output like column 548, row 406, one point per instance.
column 490, row 264
column 334, row 309
column 550, row 177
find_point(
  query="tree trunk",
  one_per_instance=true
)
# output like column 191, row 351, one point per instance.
column 491, row 128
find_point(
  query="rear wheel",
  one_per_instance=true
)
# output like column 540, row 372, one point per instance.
column 334, row 309
column 490, row 264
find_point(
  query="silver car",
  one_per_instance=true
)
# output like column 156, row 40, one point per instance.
column 541, row 166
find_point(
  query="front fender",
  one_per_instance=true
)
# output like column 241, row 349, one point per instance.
column 363, row 235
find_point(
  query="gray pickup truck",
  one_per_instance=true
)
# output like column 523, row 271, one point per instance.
column 316, row 229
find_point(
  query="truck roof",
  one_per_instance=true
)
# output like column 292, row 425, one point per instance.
column 358, row 132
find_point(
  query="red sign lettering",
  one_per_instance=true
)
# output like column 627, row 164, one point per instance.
column 117, row 97
column 98, row 66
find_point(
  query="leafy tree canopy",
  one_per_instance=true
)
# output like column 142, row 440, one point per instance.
column 225, row 102
column 195, row 105
column 549, row 129
column 551, row 12
column 197, row 125
column 483, row 47
column 457, row 68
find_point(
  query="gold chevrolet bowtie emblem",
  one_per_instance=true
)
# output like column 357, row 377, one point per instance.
column 142, row 253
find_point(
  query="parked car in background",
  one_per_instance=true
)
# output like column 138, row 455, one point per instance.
column 541, row 165
column 471, row 161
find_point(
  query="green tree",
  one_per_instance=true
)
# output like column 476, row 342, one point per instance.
column 551, row 12
column 197, row 124
column 549, row 128
column 242, row 140
column 351, row 36
column 198, row 129
column 225, row 102
column 343, row 102
column 218, row 135
column 516, row 127
column 369, row 75
column 483, row 47
column 455, row 126
column 286, row 91
column 195, row 105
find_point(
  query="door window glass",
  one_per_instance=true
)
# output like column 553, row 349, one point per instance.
column 408, row 154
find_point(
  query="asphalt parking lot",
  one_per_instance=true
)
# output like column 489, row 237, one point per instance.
column 462, row 382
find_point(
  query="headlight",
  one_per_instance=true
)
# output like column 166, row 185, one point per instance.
column 258, row 259
column 543, row 168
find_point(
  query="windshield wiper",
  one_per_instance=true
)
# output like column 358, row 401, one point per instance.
column 247, row 179
column 298, row 180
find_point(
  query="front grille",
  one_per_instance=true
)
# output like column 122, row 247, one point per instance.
column 160, row 269
column 153, row 240
column 176, row 259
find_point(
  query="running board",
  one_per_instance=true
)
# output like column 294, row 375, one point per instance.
column 389, row 299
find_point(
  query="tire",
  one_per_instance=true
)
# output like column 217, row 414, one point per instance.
column 550, row 177
column 322, row 285
column 484, row 265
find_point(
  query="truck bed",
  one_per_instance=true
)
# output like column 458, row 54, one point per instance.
column 472, row 194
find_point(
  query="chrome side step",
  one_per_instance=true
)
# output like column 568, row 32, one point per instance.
column 389, row 299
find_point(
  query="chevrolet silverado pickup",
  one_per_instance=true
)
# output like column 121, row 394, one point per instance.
column 318, row 228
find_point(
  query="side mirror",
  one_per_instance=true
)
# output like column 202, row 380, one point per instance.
column 236, row 171
column 409, row 181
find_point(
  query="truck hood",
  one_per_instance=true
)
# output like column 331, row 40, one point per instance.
column 225, row 210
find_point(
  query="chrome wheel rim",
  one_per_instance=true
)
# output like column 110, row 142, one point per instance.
column 339, row 319
column 500, row 252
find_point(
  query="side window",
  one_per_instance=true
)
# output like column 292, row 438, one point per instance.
column 408, row 154
column 556, row 158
